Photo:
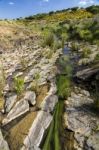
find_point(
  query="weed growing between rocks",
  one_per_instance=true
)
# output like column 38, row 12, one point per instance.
column 51, row 40
column 48, row 39
column 63, row 85
column 19, row 85
column 86, row 52
column 23, row 62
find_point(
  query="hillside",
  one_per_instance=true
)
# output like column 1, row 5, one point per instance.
column 49, row 81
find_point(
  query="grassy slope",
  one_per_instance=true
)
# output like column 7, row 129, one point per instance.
column 14, row 31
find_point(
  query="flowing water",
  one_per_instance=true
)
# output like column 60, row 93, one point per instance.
column 57, row 137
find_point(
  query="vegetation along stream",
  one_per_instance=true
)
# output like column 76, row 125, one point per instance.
column 49, row 98
column 55, row 136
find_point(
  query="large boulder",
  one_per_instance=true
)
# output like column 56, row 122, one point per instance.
column 3, row 143
column 30, row 96
column 51, row 99
column 79, row 117
column 37, row 130
column 9, row 102
column 87, row 72
column 18, row 110
column 53, row 88
column 49, row 103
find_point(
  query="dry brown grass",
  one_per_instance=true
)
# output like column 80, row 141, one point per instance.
column 1, row 103
column 12, row 34
column 17, row 134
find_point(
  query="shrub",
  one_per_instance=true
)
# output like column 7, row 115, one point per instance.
column 86, row 52
column 63, row 86
column 74, row 46
column 48, row 39
column 64, row 81
column 57, row 44
column 93, row 9
column 64, row 37
column 58, row 31
column 85, row 35
column 35, row 87
column 19, row 85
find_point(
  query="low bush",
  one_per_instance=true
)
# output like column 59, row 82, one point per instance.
column 57, row 45
column 48, row 39
column 19, row 85
column 74, row 46
column 86, row 52
column 63, row 86
column 86, row 35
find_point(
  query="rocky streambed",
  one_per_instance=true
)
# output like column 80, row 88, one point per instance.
column 81, row 121
column 37, row 118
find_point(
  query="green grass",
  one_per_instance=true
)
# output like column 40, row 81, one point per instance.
column 49, row 136
column 56, row 129
column 53, row 136
column 19, row 85
column 58, row 125
column 86, row 52
column 63, row 84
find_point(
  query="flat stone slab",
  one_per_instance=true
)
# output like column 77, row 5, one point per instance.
column 30, row 96
column 37, row 130
column 49, row 103
column 9, row 102
column 51, row 99
column 87, row 72
column 3, row 143
column 80, row 118
column 19, row 109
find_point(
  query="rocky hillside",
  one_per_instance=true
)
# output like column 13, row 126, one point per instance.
column 47, row 63
column 27, row 93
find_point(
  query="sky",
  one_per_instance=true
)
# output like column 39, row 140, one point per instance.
column 11, row 9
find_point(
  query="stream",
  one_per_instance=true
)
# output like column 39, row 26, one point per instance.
column 56, row 137
column 60, row 134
